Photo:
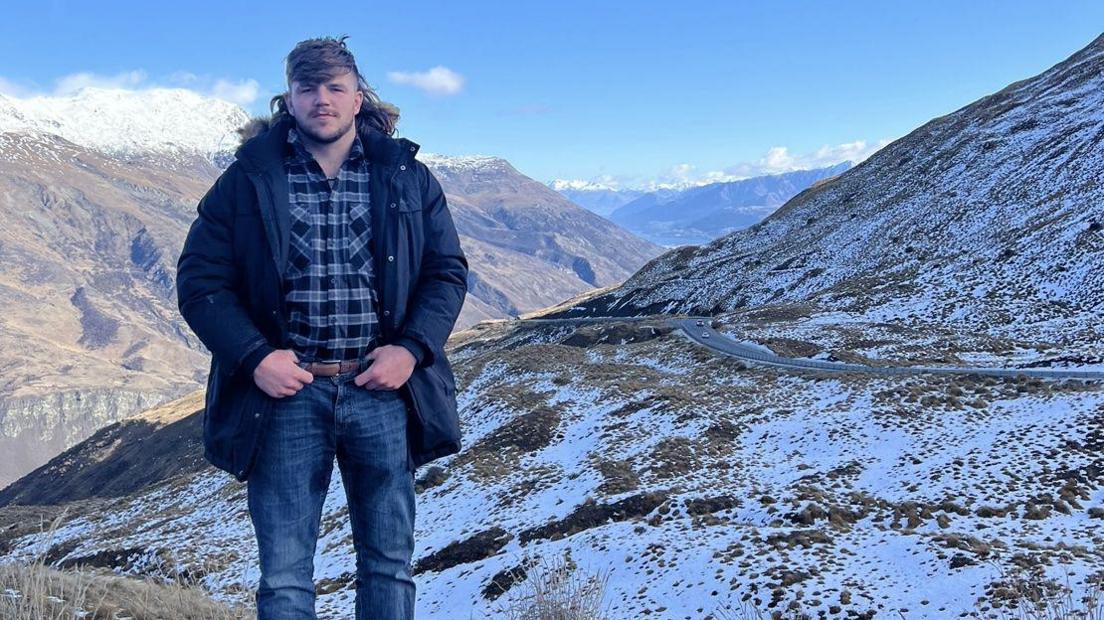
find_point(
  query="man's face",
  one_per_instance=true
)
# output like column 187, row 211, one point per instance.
column 325, row 111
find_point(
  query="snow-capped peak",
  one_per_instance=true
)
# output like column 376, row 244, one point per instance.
column 127, row 122
column 461, row 163
column 560, row 185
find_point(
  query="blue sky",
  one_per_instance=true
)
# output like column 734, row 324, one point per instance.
column 627, row 92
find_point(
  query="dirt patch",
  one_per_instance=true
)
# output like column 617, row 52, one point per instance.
column 789, row 347
column 617, row 476
column 527, row 432
column 590, row 514
column 799, row 538
column 434, row 476
column 480, row 546
column 495, row 455
column 674, row 457
column 505, row 579
column 328, row 585
column 709, row 505
column 109, row 558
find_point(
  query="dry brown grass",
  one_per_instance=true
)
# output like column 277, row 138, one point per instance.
column 1025, row 592
column 554, row 589
column 36, row 591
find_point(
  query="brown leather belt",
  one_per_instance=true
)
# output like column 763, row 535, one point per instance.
column 329, row 369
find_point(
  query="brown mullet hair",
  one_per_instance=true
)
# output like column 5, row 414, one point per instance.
column 316, row 60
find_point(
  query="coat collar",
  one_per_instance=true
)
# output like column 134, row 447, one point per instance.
column 266, row 149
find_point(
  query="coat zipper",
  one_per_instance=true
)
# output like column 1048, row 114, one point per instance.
column 262, row 183
column 390, row 221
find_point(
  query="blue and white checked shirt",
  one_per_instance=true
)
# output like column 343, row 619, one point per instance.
column 330, row 298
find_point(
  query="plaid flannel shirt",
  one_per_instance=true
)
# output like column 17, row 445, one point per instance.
column 330, row 297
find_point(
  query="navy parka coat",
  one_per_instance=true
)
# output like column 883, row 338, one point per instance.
column 230, row 289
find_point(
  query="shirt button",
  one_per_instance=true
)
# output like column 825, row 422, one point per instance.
column 411, row 148
column 386, row 313
column 402, row 167
column 392, row 205
column 257, row 415
column 390, row 259
column 333, row 281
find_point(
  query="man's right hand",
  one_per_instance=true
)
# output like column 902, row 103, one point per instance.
column 278, row 374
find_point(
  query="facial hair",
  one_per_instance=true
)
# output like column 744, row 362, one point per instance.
column 324, row 139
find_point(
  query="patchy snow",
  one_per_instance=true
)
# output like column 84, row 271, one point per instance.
column 755, row 447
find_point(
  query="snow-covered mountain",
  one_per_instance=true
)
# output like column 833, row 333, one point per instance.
column 699, row 214
column 595, row 197
column 120, row 122
column 989, row 218
column 692, row 213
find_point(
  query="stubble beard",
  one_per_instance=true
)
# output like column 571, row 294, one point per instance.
column 326, row 138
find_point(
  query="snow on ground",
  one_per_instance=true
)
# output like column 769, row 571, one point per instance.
column 649, row 463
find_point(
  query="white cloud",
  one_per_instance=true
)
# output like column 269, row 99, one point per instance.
column 241, row 92
column 182, row 78
column 437, row 81
column 69, row 84
column 776, row 160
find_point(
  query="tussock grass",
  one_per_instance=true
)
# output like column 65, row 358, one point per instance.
column 552, row 588
column 36, row 591
column 1025, row 592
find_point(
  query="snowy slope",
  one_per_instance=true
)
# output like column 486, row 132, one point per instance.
column 691, row 481
column 989, row 218
column 168, row 121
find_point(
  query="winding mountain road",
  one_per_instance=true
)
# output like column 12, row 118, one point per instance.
column 698, row 329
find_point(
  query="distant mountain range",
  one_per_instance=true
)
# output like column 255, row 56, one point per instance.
column 596, row 198
column 697, row 214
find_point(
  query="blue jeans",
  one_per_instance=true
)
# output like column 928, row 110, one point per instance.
column 366, row 430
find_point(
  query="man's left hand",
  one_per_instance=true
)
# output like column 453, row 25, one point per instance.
column 391, row 366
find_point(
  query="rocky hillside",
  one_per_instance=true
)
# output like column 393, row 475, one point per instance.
column 988, row 219
column 89, row 329
column 528, row 247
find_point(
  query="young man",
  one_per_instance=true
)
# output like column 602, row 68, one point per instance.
column 324, row 274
